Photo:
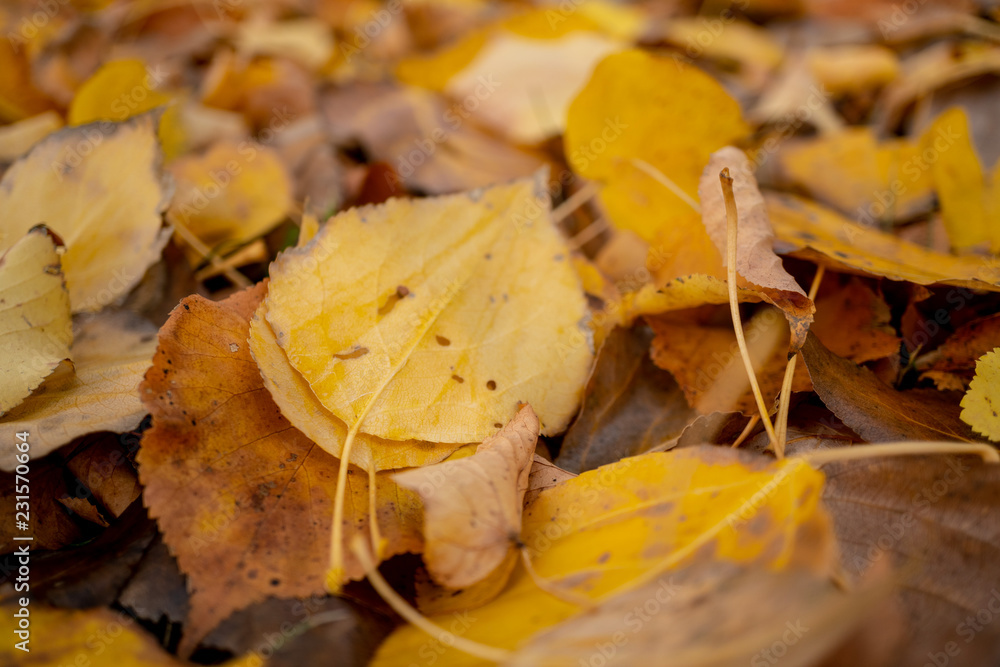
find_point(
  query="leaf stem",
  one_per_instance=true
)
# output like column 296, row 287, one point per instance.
column 415, row 618
column 662, row 179
column 988, row 453
column 732, row 222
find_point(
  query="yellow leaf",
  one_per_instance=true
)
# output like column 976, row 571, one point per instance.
column 122, row 89
column 111, row 352
column 631, row 522
column 232, row 194
column 981, row 403
column 853, row 67
column 680, row 293
column 307, row 40
column 738, row 41
column 826, row 237
column 968, row 201
column 435, row 318
column 35, row 326
column 58, row 637
column 494, row 73
column 101, row 189
column 17, row 138
column 472, row 506
column 300, row 406
column 859, row 176
column 671, row 117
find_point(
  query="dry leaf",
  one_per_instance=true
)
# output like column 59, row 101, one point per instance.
column 35, row 326
column 699, row 616
column 969, row 196
column 629, row 407
column 17, row 138
column 111, row 352
column 755, row 258
column 841, row 244
column 232, row 194
column 435, row 318
column 982, row 402
column 670, row 116
column 933, row 519
column 644, row 516
column 852, row 321
column 300, row 406
column 472, row 506
column 861, row 177
column 243, row 499
column 874, row 410
column 100, row 188
column 953, row 364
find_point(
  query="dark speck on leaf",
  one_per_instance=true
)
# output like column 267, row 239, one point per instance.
column 491, row 385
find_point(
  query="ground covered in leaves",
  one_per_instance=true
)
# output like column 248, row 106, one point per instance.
column 447, row 332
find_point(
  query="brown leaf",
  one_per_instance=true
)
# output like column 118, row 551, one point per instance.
column 243, row 499
column 953, row 364
column 853, row 322
column 51, row 525
column 755, row 258
column 935, row 519
column 473, row 504
column 629, row 405
column 104, row 469
column 876, row 411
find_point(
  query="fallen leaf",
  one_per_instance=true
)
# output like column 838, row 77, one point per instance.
column 71, row 635
column 246, row 508
column 706, row 361
column 434, row 319
column 100, row 188
column 681, row 293
column 156, row 589
column 121, row 89
column 755, row 258
column 969, row 197
column 103, row 467
column 953, row 364
column 861, row 177
column 629, row 406
column 853, row 322
column 306, row 40
column 852, row 68
column 874, row 410
column 641, row 519
column 111, row 351
column 669, row 115
column 841, row 244
column 300, row 406
column 982, row 401
column 17, row 138
column 472, row 506
column 234, row 193
column 698, row 616
column 931, row 518
column 431, row 145
column 35, row 326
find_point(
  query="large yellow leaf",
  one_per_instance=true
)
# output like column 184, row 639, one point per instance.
column 981, row 403
column 101, row 189
column 970, row 199
column 122, row 89
column 821, row 234
column 669, row 115
column 35, row 326
column 300, row 406
column 435, row 318
column 111, row 351
column 635, row 520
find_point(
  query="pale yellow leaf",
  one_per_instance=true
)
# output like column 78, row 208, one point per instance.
column 35, row 326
